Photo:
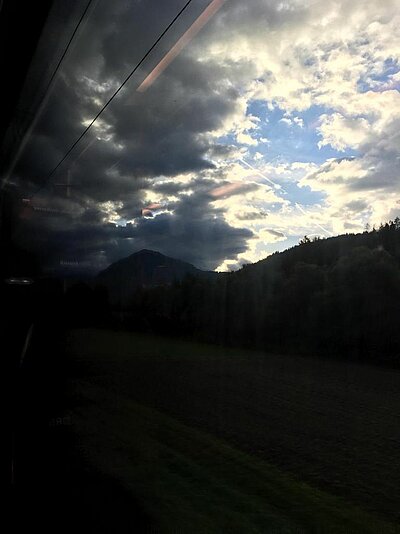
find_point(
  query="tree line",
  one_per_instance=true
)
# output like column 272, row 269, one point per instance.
column 338, row 297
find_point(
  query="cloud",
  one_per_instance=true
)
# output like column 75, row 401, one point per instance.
column 277, row 235
column 286, row 120
column 342, row 132
column 246, row 139
column 251, row 215
column 182, row 144
column 168, row 131
column 298, row 121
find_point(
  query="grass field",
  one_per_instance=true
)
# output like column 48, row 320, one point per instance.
column 212, row 440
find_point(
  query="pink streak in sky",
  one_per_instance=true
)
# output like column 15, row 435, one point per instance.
column 197, row 25
column 154, row 206
column 229, row 189
column 148, row 210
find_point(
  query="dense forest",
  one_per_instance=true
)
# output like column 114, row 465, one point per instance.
column 338, row 297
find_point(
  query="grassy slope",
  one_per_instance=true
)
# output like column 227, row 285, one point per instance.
column 185, row 479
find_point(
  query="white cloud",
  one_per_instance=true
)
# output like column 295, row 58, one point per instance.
column 299, row 121
column 303, row 54
column 246, row 139
column 342, row 132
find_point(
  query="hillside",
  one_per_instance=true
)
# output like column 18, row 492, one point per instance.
column 338, row 297
column 325, row 252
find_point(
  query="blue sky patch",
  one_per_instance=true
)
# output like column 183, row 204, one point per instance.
column 292, row 141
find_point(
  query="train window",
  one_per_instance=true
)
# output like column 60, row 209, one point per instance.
column 200, row 264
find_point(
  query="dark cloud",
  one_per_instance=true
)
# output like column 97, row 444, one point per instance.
column 140, row 137
column 357, row 205
column 205, row 243
column 274, row 233
column 193, row 230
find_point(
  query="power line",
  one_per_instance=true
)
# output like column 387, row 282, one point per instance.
column 112, row 97
column 45, row 93
column 68, row 44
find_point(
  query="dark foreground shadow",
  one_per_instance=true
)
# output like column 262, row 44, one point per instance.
column 53, row 487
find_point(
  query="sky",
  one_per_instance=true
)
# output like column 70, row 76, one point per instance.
column 274, row 121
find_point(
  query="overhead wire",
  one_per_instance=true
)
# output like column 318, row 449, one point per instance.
column 46, row 92
column 85, row 131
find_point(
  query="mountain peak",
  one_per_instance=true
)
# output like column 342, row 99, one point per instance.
column 152, row 254
column 145, row 268
column 146, row 251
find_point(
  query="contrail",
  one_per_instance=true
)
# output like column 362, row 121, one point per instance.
column 274, row 185
column 277, row 186
column 316, row 224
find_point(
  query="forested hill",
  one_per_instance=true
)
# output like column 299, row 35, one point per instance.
column 325, row 252
column 338, row 297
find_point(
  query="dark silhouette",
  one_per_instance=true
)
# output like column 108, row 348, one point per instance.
column 338, row 297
